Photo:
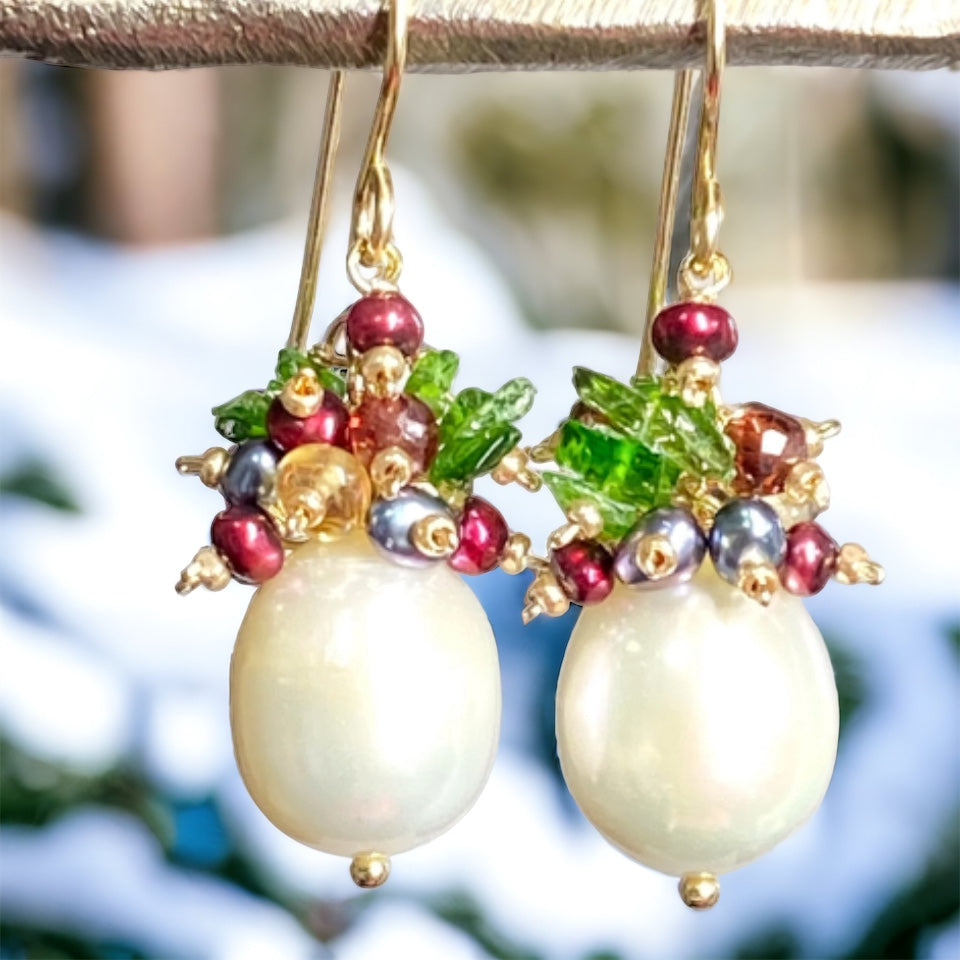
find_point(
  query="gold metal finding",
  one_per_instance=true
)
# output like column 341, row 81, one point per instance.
column 514, row 468
column 206, row 569
column 383, row 370
column 390, row 470
column 369, row 870
column 516, row 554
column 584, row 521
column 855, row 566
column 656, row 556
column 319, row 214
column 373, row 260
column 435, row 536
column 806, row 484
column 666, row 217
column 302, row 394
column 815, row 433
column 759, row 581
column 699, row 891
column 695, row 380
column 544, row 595
column 209, row 466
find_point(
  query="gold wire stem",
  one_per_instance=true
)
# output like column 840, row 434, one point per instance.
column 371, row 231
column 666, row 216
column 319, row 214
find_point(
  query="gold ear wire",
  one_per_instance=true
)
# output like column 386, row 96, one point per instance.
column 319, row 214
column 373, row 260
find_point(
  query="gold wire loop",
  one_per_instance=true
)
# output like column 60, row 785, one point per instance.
column 373, row 260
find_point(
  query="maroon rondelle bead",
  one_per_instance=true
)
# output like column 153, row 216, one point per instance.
column 685, row 330
column 769, row 442
column 385, row 320
column 584, row 570
column 327, row 425
column 404, row 422
column 483, row 535
column 250, row 543
column 810, row 560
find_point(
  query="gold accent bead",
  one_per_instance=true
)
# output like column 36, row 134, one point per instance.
column 207, row 569
column 435, row 536
column 302, row 394
column 543, row 451
column 759, row 581
column 855, row 566
column 815, row 433
column 369, row 870
column 699, row 891
column 209, row 467
column 390, row 470
column 544, row 595
column 656, row 556
column 806, row 483
column 584, row 522
column 513, row 468
column 516, row 554
column 696, row 380
column 383, row 370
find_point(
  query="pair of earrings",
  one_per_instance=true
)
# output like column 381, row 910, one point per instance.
column 697, row 712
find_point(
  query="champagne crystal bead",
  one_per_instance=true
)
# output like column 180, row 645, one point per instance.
column 404, row 422
column 768, row 443
column 321, row 491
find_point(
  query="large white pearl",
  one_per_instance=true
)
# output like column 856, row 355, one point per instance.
column 696, row 729
column 364, row 699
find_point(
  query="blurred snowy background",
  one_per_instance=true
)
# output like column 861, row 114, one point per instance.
column 151, row 229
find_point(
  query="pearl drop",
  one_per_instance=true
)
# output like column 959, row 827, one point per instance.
column 364, row 699
column 696, row 729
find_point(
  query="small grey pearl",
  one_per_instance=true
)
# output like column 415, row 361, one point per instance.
column 685, row 537
column 251, row 474
column 746, row 531
column 391, row 521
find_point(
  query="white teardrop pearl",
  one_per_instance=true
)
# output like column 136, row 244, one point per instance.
column 364, row 699
column 696, row 729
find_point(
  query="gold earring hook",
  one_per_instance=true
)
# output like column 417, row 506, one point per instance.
column 319, row 214
column 373, row 260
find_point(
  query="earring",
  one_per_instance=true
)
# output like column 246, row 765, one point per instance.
column 364, row 684
column 697, row 713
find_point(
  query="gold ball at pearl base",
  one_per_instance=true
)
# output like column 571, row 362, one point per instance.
column 656, row 556
column 435, row 536
column 321, row 491
column 383, row 369
column 699, row 891
column 369, row 870
column 302, row 394
column 759, row 581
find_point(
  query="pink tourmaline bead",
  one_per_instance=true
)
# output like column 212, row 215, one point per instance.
column 249, row 542
column 810, row 559
column 404, row 422
column 384, row 320
column 584, row 569
column 483, row 535
column 685, row 330
column 327, row 425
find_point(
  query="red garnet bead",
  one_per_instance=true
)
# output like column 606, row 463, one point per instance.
column 810, row 560
column 389, row 320
column 483, row 535
column 404, row 422
column 685, row 330
column 768, row 443
column 584, row 569
column 327, row 425
column 250, row 543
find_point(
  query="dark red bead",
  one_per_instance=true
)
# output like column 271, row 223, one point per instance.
column 810, row 560
column 685, row 330
column 385, row 320
column 404, row 422
column 327, row 425
column 584, row 569
column 483, row 535
column 249, row 542
column 769, row 442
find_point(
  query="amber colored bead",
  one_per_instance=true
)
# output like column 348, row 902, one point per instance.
column 768, row 443
column 404, row 422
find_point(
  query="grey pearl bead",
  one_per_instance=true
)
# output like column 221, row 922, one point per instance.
column 390, row 523
column 745, row 532
column 685, row 537
column 251, row 474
